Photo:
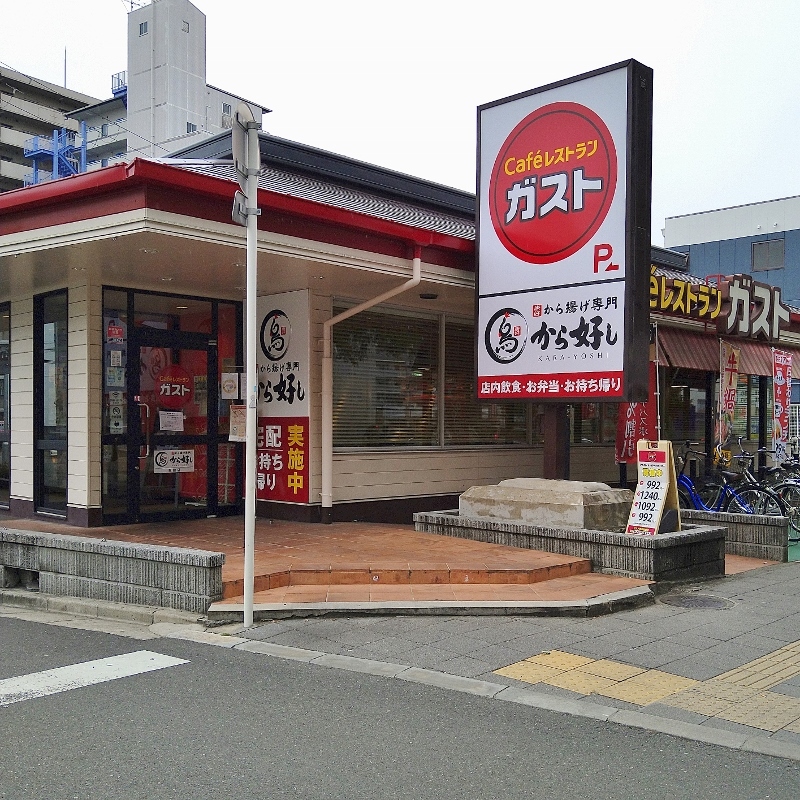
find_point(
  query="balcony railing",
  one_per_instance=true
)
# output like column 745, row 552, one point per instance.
column 119, row 83
column 39, row 177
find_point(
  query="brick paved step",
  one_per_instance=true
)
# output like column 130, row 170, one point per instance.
column 432, row 574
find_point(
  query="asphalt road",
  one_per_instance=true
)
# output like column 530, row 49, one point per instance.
column 245, row 725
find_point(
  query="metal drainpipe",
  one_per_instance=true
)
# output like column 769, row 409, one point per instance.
column 327, row 378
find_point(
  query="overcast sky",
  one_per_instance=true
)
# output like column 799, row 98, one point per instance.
column 398, row 84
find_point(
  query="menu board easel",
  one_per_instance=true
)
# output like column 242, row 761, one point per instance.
column 656, row 488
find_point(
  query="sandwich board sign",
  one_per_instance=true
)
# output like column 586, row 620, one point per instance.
column 656, row 487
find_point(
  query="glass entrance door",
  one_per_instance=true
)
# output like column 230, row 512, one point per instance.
column 166, row 453
column 172, row 428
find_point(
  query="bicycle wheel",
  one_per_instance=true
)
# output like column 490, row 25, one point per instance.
column 790, row 494
column 685, row 499
column 755, row 500
column 709, row 494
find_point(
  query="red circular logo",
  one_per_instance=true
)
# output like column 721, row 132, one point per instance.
column 553, row 183
column 174, row 388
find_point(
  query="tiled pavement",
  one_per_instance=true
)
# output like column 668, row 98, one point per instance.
column 357, row 563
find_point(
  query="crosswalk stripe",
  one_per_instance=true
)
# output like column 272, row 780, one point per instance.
column 87, row 673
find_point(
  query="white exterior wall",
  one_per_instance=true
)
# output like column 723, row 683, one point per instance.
column 22, row 399
column 320, row 309
column 388, row 474
column 77, row 398
column 84, row 480
column 773, row 216
column 215, row 121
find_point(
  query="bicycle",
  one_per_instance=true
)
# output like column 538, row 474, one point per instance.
column 747, row 498
column 784, row 480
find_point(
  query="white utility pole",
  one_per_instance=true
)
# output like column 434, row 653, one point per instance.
column 247, row 161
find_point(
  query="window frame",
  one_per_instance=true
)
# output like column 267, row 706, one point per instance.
column 770, row 247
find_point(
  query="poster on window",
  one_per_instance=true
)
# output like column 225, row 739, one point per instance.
column 115, row 351
column 282, row 459
column 781, row 396
column 563, row 239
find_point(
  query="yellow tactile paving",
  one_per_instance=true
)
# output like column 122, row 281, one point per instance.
column 738, row 695
column 648, row 687
column 529, row 672
column 792, row 727
column 559, row 660
column 768, row 711
column 767, row 671
column 578, row 681
column 707, row 695
column 611, row 669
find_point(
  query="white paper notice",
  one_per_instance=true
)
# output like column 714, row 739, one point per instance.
column 170, row 420
column 238, row 429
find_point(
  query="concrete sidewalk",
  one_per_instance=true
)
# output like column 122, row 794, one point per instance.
column 717, row 661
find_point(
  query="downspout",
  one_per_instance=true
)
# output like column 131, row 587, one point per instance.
column 327, row 377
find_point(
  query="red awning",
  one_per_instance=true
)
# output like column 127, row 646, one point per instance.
column 689, row 349
column 693, row 350
column 755, row 358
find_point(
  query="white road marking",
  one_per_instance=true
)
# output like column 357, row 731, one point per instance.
column 75, row 676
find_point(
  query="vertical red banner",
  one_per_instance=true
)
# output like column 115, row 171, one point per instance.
column 781, row 398
column 729, row 380
column 282, row 459
column 636, row 421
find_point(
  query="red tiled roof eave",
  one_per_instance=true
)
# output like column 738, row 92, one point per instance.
column 145, row 173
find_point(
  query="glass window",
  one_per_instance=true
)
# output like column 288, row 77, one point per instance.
column 50, row 398
column 683, row 410
column 142, row 28
column 172, row 312
column 389, row 388
column 468, row 421
column 385, row 370
column 594, row 423
column 54, row 365
column 768, row 255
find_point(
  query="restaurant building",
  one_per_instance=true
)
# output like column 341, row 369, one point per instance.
column 122, row 341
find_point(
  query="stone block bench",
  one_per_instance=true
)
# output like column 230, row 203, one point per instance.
column 121, row 572
column 698, row 551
